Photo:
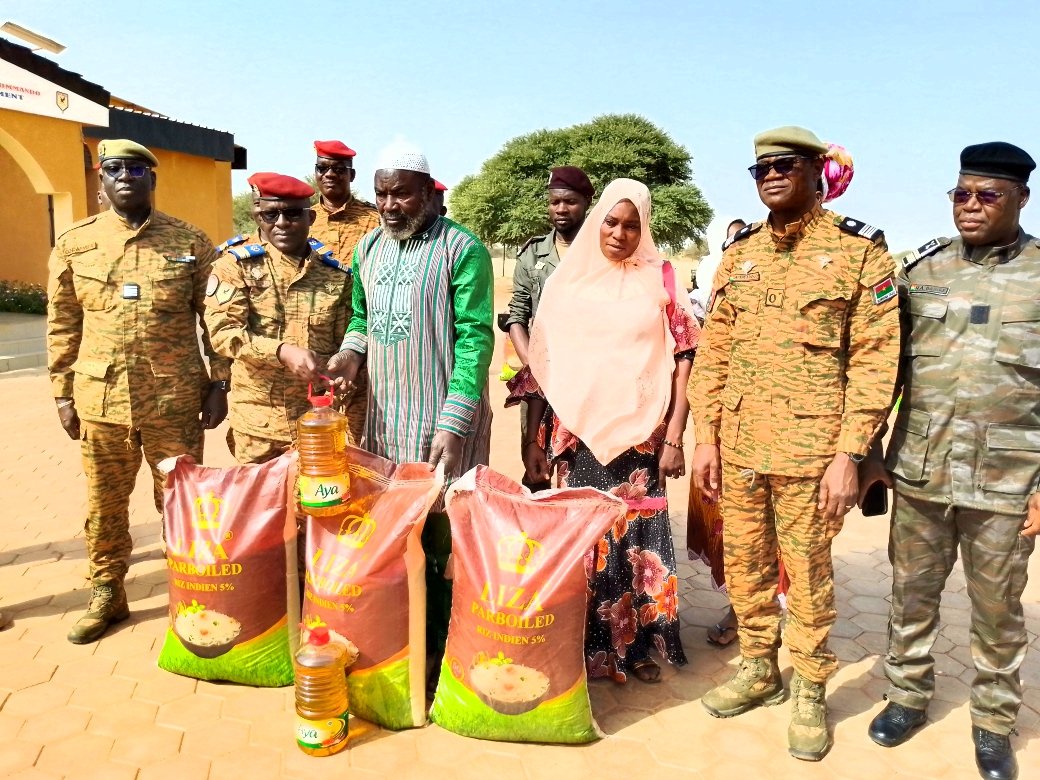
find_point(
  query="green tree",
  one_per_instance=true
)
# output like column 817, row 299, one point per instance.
column 505, row 202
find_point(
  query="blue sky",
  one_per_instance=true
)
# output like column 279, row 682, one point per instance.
column 902, row 85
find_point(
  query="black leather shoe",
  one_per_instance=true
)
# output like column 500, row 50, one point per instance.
column 895, row 724
column 993, row 755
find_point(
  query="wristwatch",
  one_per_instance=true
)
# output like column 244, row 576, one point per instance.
column 220, row 384
column 855, row 458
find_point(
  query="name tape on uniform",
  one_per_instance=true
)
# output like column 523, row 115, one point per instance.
column 131, row 291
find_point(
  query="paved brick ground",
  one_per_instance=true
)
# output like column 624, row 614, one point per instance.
column 105, row 710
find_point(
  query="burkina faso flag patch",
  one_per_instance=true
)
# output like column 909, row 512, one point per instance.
column 884, row 290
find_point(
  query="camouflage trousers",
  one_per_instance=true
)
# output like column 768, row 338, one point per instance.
column 923, row 549
column 762, row 512
column 111, row 460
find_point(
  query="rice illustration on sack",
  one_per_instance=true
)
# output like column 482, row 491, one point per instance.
column 506, row 687
column 205, row 632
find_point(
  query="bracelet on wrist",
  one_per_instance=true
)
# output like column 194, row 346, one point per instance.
column 678, row 446
column 66, row 402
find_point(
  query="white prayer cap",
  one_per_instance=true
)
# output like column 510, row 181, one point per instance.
column 403, row 156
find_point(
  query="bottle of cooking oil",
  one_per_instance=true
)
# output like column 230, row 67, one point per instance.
column 322, row 440
column 321, row 695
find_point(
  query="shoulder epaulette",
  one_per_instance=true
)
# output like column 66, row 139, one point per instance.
column 325, row 254
column 233, row 241
column 740, row 235
column 527, row 243
column 82, row 223
column 247, row 252
column 923, row 251
column 857, row 228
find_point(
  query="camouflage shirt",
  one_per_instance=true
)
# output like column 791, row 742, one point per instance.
column 341, row 229
column 799, row 350
column 258, row 299
column 968, row 429
column 122, row 317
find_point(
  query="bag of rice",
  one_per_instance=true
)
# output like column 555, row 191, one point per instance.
column 231, row 556
column 514, row 668
column 366, row 581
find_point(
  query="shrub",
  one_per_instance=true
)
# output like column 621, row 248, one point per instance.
column 22, row 297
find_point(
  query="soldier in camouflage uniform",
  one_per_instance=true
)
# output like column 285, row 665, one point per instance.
column 279, row 308
column 340, row 222
column 793, row 377
column 570, row 195
column 126, row 293
column 965, row 452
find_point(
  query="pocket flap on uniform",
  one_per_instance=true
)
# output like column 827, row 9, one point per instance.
column 920, row 307
column 93, row 271
column 1020, row 311
column 821, row 405
column 731, row 398
column 915, row 422
column 1013, row 437
column 94, row 368
column 740, row 296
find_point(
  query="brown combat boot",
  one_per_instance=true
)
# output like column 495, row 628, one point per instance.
column 756, row 682
column 807, row 736
column 107, row 606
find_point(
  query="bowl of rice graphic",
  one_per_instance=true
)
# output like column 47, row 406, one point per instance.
column 506, row 687
column 206, row 632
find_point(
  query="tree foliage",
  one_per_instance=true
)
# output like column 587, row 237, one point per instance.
column 505, row 202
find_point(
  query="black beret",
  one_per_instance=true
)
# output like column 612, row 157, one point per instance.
column 998, row 159
column 570, row 177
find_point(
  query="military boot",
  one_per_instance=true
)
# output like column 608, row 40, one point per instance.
column 756, row 682
column 107, row 606
column 807, row 736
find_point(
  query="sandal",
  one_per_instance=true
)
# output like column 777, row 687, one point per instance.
column 647, row 671
column 717, row 635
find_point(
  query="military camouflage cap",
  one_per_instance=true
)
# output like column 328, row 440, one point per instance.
column 124, row 148
column 788, row 140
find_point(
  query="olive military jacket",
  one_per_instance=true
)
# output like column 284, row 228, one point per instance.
column 537, row 260
column 800, row 347
column 258, row 299
column 968, row 428
column 123, row 312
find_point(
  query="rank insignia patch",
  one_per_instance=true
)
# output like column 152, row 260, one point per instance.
column 224, row 293
column 884, row 290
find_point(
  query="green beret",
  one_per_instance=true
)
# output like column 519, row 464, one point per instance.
column 124, row 148
column 788, row 140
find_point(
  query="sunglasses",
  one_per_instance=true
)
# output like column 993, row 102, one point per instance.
column 115, row 170
column 783, row 166
column 339, row 169
column 984, row 197
column 270, row 216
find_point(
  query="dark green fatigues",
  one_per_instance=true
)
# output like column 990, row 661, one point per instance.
column 965, row 454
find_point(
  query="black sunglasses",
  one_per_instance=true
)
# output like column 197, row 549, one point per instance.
column 270, row 216
column 115, row 169
column 984, row 197
column 783, row 166
column 339, row 169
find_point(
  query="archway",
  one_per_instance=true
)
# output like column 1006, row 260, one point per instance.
column 61, row 201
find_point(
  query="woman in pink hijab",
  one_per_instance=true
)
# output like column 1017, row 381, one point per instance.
column 610, row 356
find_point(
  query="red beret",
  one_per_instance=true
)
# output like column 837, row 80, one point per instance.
column 334, row 150
column 439, row 187
column 570, row 177
column 277, row 186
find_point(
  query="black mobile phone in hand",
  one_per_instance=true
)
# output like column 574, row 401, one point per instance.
column 875, row 502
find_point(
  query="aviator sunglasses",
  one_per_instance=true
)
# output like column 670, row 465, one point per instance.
column 270, row 216
column 114, row 170
column 783, row 166
column 984, row 197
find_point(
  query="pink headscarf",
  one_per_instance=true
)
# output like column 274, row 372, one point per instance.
column 601, row 348
column 837, row 172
